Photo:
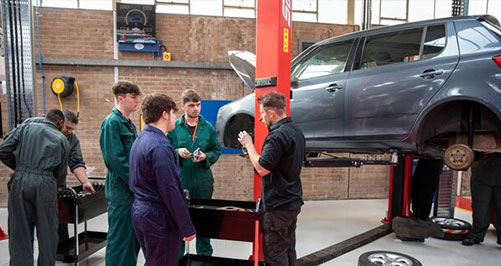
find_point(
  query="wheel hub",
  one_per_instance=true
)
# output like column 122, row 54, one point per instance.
column 458, row 157
column 448, row 221
column 389, row 259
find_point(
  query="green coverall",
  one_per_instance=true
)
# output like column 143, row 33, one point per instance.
column 116, row 139
column 75, row 160
column 197, row 177
column 38, row 153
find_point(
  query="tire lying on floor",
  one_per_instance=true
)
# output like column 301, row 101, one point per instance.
column 384, row 257
column 454, row 229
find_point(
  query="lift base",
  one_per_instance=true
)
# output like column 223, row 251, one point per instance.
column 343, row 247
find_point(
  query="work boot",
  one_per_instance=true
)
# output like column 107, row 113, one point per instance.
column 470, row 242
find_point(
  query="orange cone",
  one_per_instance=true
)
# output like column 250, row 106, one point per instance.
column 3, row 235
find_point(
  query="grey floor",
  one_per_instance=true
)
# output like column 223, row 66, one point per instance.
column 323, row 223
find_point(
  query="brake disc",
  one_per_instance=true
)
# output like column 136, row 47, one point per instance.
column 459, row 157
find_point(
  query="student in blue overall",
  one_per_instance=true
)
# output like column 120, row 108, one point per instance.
column 159, row 213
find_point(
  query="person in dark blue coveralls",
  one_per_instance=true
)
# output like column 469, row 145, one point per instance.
column 159, row 213
column 280, row 165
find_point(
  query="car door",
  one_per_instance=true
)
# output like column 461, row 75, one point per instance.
column 398, row 73
column 318, row 83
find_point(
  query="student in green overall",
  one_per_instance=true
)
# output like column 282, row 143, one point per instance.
column 196, row 144
column 116, row 138
column 38, row 152
column 75, row 160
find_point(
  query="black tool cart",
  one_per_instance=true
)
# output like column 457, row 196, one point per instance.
column 75, row 208
column 228, row 220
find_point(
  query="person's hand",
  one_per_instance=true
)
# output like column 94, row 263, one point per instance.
column 88, row 188
column 201, row 156
column 184, row 153
column 244, row 138
column 189, row 238
column 11, row 173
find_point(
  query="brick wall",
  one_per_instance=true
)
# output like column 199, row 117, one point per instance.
column 88, row 34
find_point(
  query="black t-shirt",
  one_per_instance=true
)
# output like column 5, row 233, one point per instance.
column 191, row 128
column 283, row 154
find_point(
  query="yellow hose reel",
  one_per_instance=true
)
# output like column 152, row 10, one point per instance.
column 63, row 86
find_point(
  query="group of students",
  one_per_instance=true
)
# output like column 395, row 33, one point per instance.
column 146, row 177
column 147, row 174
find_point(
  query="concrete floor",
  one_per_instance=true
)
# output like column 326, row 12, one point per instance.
column 324, row 223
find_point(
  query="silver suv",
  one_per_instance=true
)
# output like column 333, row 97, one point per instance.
column 429, row 88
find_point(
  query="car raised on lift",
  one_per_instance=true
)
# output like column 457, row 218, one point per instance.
column 430, row 89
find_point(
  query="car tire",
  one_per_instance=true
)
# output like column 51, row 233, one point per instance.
column 454, row 229
column 384, row 257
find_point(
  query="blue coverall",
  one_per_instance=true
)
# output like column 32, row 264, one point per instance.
column 159, row 213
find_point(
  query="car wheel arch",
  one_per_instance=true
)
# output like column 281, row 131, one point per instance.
column 436, row 119
column 238, row 122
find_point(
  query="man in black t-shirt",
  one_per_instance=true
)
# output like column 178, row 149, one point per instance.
column 280, row 166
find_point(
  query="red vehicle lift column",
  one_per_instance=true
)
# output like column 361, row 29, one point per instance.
column 399, row 194
column 273, row 60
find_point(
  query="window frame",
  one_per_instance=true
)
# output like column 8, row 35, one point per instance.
column 424, row 38
column 310, row 51
column 363, row 41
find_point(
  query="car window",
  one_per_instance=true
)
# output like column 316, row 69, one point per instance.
column 434, row 42
column 325, row 60
column 390, row 48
